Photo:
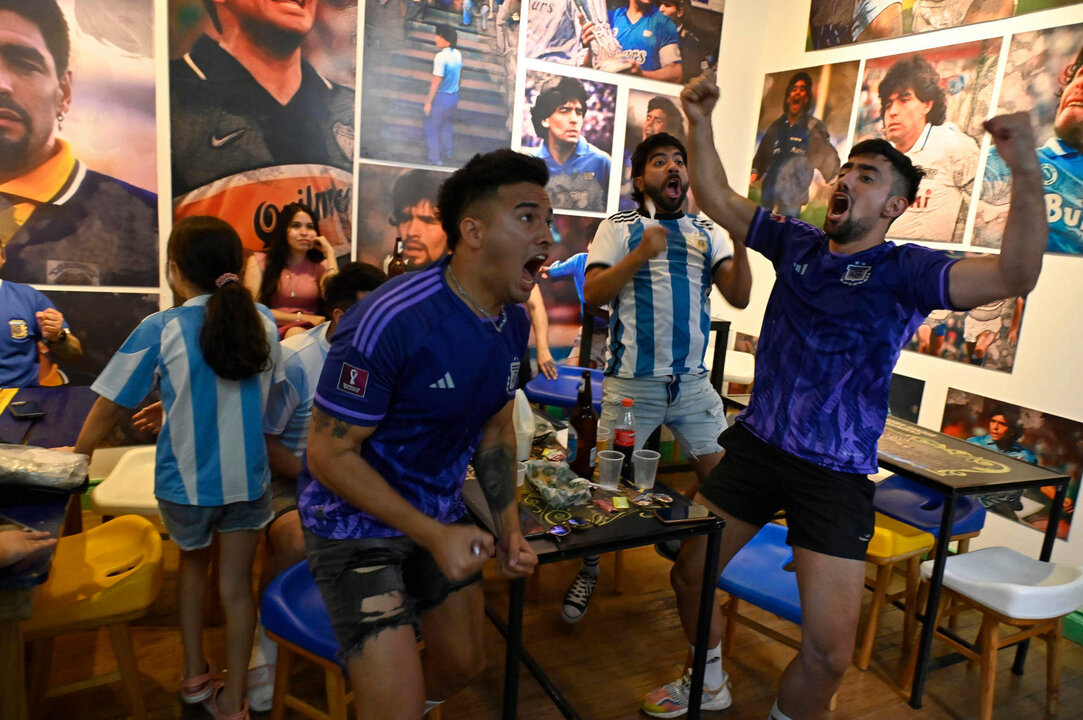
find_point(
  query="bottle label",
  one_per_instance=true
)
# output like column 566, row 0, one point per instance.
column 593, row 457
column 573, row 443
column 624, row 438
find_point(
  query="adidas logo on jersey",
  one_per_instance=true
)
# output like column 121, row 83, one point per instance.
column 444, row 383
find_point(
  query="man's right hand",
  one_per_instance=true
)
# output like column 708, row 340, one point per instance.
column 699, row 97
column 454, row 550
column 653, row 243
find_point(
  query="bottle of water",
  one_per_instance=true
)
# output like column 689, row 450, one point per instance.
column 624, row 438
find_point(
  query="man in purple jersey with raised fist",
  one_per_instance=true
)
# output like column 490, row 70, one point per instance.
column 843, row 305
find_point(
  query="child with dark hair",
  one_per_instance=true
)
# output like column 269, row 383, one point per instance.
column 214, row 360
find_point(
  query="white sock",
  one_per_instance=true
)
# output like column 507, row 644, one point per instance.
column 777, row 714
column 264, row 650
column 590, row 565
column 713, row 674
column 430, row 704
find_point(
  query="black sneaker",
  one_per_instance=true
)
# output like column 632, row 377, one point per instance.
column 578, row 597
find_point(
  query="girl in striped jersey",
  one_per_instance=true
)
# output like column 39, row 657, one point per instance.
column 213, row 359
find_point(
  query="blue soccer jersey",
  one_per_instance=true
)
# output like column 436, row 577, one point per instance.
column 651, row 41
column 832, row 331
column 582, row 181
column 1014, row 450
column 415, row 362
column 19, row 306
column 289, row 408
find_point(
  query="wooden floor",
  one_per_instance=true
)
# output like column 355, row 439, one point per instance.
column 626, row 645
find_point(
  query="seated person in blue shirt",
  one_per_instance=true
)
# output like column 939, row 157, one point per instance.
column 648, row 39
column 29, row 317
column 578, row 171
column 419, row 380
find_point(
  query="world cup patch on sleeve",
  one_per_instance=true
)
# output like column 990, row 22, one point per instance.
column 353, row 380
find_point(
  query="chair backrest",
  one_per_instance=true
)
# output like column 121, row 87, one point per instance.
column 586, row 336
column 721, row 330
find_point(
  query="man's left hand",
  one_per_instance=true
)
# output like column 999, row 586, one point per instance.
column 514, row 556
column 51, row 323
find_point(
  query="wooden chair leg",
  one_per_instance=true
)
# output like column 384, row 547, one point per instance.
column 961, row 547
column 336, row 694
column 729, row 611
column 990, row 636
column 39, row 659
column 879, row 592
column 283, row 673
column 907, row 679
column 913, row 580
column 121, row 638
column 1052, row 667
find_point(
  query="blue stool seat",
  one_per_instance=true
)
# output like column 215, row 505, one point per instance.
column 293, row 609
column 758, row 574
column 917, row 505
column 564, row 391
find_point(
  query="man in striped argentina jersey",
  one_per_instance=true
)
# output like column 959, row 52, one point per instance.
column 843, row 305
column 656, row 266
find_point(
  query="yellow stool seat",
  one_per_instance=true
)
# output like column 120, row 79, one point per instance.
column 892, row 539
column 113, row 569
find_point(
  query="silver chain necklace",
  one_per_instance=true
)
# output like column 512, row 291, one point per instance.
column 498, row 323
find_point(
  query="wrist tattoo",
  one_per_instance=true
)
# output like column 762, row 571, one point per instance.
column 495, row 471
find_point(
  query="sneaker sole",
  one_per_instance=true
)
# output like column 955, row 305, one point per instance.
column 569, row 619
column 718, row 703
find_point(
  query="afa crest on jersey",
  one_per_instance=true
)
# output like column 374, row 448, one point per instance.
column 857, row 274
column 19, row 329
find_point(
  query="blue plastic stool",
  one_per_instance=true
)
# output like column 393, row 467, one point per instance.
column 917, row 505
column 564, row 391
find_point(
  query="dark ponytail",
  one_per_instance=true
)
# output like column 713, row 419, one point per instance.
column 233, row 339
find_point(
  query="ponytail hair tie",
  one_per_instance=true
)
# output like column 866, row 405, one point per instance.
column 225, row 279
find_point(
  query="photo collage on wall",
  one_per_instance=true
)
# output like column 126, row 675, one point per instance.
column 931, row 105
column 1025, row 434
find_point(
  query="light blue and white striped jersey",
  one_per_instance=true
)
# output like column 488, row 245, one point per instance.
column 289, row 409
column 661, row 318
column 211, row 449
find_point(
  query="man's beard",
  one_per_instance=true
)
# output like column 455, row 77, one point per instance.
column 849, row 230
column 14, row 152
column 666, row 204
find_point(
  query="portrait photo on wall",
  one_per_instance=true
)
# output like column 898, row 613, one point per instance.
column 568, row 123
column 668, row 40
column 561, row 284
column 1025, row 434
column 985, row 336
column 931, row 105
column 75, row 209
column 261, row 113
column 1043, row 76
column 395, row 202
column 438, row 80
column 648, row 113
column 803, row 125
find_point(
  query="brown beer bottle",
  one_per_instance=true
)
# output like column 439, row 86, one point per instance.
column 397, row 266
column 583, row 432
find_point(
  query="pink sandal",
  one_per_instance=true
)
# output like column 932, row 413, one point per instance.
column 212, row 706
column 197, row 688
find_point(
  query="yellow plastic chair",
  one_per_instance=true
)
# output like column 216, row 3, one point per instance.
column 104, row 577
column 893, row 543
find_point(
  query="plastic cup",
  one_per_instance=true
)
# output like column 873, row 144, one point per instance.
column 520, row 474
column 523, row 440
column 605, row 438
column 609, row 464
column 645, row 465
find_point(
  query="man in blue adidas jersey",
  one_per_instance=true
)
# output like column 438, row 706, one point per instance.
column 843, row 305
column 648, row 39
column 1061, row 160
column 656, row 266
column 420, row 378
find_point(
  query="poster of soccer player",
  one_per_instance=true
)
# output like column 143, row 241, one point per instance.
column 648, row 113
column 669, row 40
column 78, row 211
column 561, row 283
column 395, row 202
column 437, row 80
column 1044, row 76
column 261, row 113
column 1025, row 434
column 931, row 105
column 568, row 123
column 803, row 125
column 986, row 336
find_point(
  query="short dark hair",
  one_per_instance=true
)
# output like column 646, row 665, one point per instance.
column 551, row 98
column 674, row 118
column 679, row 4
column 1011, row 419
column 52, row 25
column 917, row 74
column 480, row 179
column 789, row 88
column 411, row 188
column 448, row 33
column 1069, row 71
column 907, row 175
column 340, row 290
column 643, row 152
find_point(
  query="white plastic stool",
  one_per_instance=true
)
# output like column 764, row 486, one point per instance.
column 740, row 367
column 1010, row 588
column 128, row 489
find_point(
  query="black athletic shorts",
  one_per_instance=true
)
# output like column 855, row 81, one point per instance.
column 827, row 511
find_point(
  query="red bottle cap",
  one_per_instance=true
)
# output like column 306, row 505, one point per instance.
column 626, row 402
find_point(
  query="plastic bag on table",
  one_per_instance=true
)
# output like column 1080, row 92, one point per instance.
column 557, row 484
column 41, row 467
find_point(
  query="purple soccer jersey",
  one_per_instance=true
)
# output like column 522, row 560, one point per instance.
column 832, row 332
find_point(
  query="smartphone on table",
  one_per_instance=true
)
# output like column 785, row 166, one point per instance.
column 692, row 512
column 26, row 410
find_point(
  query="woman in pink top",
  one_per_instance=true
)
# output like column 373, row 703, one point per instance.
column 287, row 278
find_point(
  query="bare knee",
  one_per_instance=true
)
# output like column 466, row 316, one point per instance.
column 828, row 659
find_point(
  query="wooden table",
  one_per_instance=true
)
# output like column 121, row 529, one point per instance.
column 954, row 468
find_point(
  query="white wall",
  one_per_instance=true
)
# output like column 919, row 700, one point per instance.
column 764, row 36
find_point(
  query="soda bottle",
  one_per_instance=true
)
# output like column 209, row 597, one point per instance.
column 397, row 266
column 624, row 437
column 583, row 427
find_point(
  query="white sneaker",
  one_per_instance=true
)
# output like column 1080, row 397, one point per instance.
column 578, row 597
column 671, row 700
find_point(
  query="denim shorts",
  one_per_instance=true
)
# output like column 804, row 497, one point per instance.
column 349, row 572
column 283, row 495
column 687, row 404
column 193, row 526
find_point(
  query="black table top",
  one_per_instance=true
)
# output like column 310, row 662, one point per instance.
column 65, row 407
column 953, row 465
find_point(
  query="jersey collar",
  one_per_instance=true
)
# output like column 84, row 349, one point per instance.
column 54, row 181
